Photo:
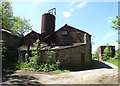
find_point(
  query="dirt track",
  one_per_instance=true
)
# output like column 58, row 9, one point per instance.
column 94, row 76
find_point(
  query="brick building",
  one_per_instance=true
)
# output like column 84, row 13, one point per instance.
column 102, row 48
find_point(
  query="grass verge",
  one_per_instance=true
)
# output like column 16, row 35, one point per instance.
column 115, row 62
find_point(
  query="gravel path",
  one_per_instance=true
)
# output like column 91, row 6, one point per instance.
column 94, row 76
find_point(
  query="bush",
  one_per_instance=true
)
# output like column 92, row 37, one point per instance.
column 96, row 54
column 117, row 54
column 33, row 63
column 24, row 66
column 106, row 55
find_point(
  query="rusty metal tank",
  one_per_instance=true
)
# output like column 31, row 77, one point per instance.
column 48, row 23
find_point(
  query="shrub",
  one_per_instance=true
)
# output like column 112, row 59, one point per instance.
column 33, row 63
column 106, row 55
column 117, row 54
column 96, row 54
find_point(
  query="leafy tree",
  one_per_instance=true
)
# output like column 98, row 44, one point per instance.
column 96, row 54
column 6, row 15
column 15, row 24
column 117, row 54
column 106, row 54
column 21, row 25
column 116, row 23
column 116, row 26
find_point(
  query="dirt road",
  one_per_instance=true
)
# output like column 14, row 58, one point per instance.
column 93, row 76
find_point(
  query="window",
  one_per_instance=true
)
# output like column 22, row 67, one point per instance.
column 64, row 33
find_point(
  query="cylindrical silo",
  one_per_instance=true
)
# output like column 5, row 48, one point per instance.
column 48, row 23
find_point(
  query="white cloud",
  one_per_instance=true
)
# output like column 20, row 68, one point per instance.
column 109, row 19
column 71, row 10
column 73, row 2
column 67, row 14
column 81, row 4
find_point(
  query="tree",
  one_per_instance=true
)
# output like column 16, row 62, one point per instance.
column 21, row 25
column 106, row 53
column 116, row 26
column 117, row 54
column 116, row 23
column 96, row 54
column 15, row 24
column 7, row 15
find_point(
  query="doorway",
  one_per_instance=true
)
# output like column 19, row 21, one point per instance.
column 82, row 58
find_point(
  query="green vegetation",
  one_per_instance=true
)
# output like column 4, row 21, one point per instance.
column 33, row 63
column 106, row 54
column 15, row 24
column 96, row 54
column 116, row 59
column 116, row 23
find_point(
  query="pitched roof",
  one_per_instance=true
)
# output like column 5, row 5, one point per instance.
column 11, row 33
column 66, row 25
column 32, row 32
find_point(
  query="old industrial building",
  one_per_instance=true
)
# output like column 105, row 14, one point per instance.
column 11, row 42
column 102, row 48
column 72, row 46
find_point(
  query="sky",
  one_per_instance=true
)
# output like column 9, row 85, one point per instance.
column 92, row 17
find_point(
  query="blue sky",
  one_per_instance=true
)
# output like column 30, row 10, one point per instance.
column 92, row 17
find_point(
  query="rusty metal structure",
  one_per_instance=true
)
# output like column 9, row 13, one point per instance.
column 48, row 27
column 48, row 22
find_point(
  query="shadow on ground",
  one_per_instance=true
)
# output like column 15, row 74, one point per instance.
column 95, row 64
column 19, row 80
column 30, row 80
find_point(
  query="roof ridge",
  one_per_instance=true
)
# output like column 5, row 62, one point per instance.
column 72, row 27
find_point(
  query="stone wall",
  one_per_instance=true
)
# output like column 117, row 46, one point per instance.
column 73, row 57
